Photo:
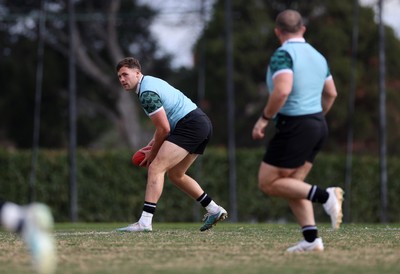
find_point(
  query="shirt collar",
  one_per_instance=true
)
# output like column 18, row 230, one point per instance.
column 294, row 40
column 138, row 86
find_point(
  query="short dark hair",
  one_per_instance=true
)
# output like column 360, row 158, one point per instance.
column 129, row 62
column 289, row 21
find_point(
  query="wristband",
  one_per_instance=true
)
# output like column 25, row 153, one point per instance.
column 265, row 117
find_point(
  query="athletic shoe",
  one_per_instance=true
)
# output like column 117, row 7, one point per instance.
column 212, row 219
column 304, row 246
column 333, row 206
column 136, row 227
column 37, row 233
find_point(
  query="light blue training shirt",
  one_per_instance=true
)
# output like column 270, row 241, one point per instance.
column 156, row 94
column 310, row 71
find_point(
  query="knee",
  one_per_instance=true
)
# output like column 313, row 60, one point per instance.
column 154, row 172
column 265, row 187
column 174, row 176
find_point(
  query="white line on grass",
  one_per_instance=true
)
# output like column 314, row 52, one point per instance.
column 83, row 233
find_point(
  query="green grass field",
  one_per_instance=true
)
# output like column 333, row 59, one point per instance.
column 228, row 248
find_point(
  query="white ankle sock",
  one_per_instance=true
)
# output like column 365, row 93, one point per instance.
column 146, row 219
column 212, row 207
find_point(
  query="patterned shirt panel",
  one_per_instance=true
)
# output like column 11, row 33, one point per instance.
column 280, row 60
column 150, row 101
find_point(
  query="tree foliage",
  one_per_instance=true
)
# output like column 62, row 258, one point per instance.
column 105, row 32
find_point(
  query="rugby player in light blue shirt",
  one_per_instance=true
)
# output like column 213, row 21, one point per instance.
column 156, row 94
column 302, row 91
column 296, row 54
column 182, row 132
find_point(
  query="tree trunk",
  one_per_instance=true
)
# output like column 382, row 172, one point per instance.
column 127, row 120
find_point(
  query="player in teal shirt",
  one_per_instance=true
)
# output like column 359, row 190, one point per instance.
column 182, row 132
column 302, row 91
column 297, row 55
column 155, row 93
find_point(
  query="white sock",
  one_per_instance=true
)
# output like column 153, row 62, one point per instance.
column 10, row 216
column 146, row 219
column 212, row 207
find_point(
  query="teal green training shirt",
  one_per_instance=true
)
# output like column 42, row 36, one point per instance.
column 156, row 94
column 310, row 71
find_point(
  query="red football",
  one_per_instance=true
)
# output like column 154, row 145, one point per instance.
column 138, row 157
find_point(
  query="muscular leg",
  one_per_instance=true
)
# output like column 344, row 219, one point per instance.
column 187, row 184
column 168, row 156
column 289, row 184
column 302, row 209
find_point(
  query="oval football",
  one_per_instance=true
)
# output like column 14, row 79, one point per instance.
column 137, row 158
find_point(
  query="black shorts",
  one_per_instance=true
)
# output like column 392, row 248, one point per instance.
column 192, row 132
column 297, row 139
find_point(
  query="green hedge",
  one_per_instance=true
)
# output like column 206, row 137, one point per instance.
column 111, row 189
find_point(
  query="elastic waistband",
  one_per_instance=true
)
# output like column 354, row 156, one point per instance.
column 193, row 113
column 300, row 117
